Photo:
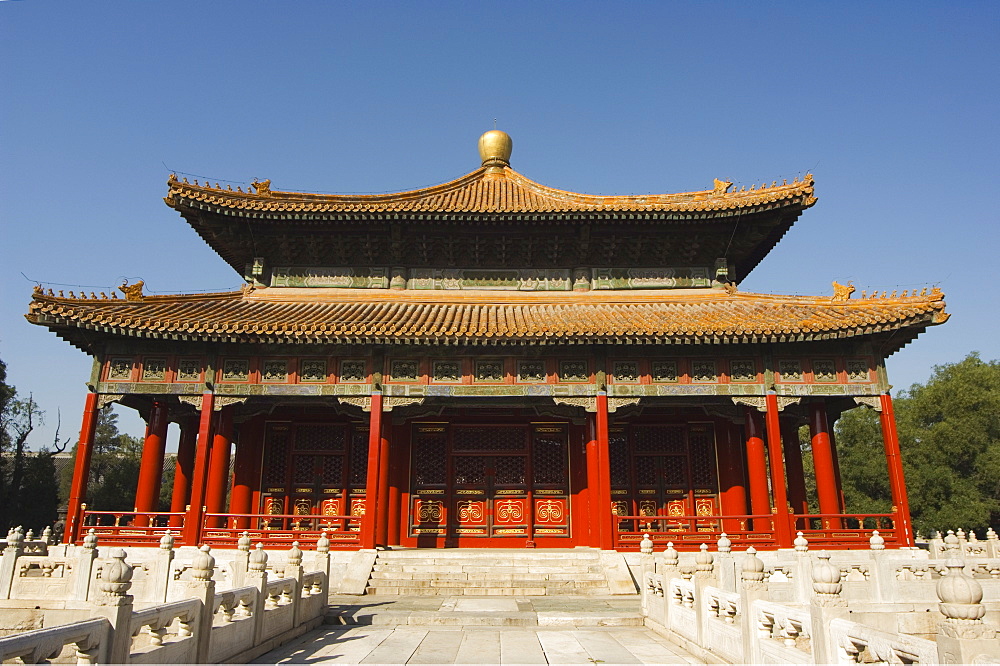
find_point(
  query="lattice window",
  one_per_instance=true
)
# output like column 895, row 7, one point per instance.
column 359, row 458
column 470, row 470
column 659, row 439
column 645, row 470
column 509, row 470
column 549, row 461
column 429, row 461
column 618, row 453
column 490, row 439
column 319, row 438
column 303, row 469
column 675, row 470
column 333, row 470
column 275, row 455
column 702, row 460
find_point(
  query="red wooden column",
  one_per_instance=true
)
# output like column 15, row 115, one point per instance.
column 793, row 463
column 593, row 463
column 397, row 480
column 218, row 467
column 826, row 477
column 183, row 469
column 368, row 521
column 760, row 501
column 733, row 497
column 782, row 525
column 604, row 473
column 897, row 483
column 81, row 469
column 195, row 511
column 836, row 467
column 147, row 492
column 248, row 452
column 382, row 517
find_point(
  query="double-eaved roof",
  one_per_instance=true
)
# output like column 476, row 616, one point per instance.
column 317, row 316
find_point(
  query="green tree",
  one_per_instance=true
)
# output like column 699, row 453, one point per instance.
column 949, row 436
column 114, row 467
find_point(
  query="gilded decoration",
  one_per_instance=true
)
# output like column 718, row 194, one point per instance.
column 193, row 400
column 842, row 292
column 721, row 186
column 626, row 372
column 120, row 369
column 703, row 371
column 824, row 370
column 312, row 370
column 154, row 369
column 664, row 372
column 106, row 399
column 354, row 370
column 857, row 370
column 790, row 370
column 133, row 292
column 274, row 370
column 446, row 371
column 870, row 401
column 236, row 370
column 404, row 370
column 531, row 371
column 742, row 370
column 263, row 187
column 614, row 404
column 388, row 403
column 225, row 401
column 489, row 371
column 189, row 370
column 573, row 371
column 756, row 402
column 362, row 401
column 588, row 403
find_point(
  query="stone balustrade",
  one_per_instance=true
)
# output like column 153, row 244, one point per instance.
column 798, row 606
column 185, row 618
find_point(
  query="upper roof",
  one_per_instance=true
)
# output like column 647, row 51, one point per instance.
column 487, row 190
column 312, row 316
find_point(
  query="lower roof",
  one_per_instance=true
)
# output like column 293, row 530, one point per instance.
column 346, row 316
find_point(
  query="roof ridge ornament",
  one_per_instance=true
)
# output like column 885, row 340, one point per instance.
column 263, row 187
column 842, row 292
column 133, row 292
column 494, row 150
column 721, row 186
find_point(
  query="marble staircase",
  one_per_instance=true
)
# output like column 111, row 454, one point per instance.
column 498, row 572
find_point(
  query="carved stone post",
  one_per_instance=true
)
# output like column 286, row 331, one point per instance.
column 294, row 570
column 83, row 572
column 242, row 560
column 321, row 562
column 725, row 567
column 752, row 588
column 202, row 587
column 116, row 604
column 8, row 563
column 646, row 561
column 257, row 576
column 963, row 637
column 163, row 569
column 802, row 581
column 826, row 605
column 992, row 544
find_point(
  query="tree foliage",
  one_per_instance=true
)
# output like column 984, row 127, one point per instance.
column 949, row 435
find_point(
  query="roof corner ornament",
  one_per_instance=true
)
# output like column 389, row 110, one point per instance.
column 133, row 292
column 171, row 179
column 721, row 186
column 263, row 187
column 730, row 288
column 842, row 292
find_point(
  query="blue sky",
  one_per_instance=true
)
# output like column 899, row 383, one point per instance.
column 893, row 106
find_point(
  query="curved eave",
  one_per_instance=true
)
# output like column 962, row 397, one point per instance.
column 386, row 318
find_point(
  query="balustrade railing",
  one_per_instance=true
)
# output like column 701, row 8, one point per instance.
column 223, row 530
column 124, row 528
column 688, row 532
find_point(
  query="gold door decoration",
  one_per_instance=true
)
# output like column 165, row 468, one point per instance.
column 509, row 511
column 470, row 512
column 550, row 511
column 430, row 511
column 619, row 508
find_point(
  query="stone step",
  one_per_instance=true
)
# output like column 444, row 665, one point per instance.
column 485, row 619
column 533, row 553
column 473, row 568
column 486, row 575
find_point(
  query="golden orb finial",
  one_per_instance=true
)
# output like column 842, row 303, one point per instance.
column 494, row 149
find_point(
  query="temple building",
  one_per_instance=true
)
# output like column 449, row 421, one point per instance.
column 491, row 362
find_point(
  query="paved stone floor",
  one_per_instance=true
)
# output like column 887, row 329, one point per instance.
column 481, row 630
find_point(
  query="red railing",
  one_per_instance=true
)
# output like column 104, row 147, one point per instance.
column 689, row 532
column 129, row 528
column 223, row 530
column 845, row 530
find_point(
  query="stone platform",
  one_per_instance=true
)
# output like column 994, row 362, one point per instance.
column 482, row 630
